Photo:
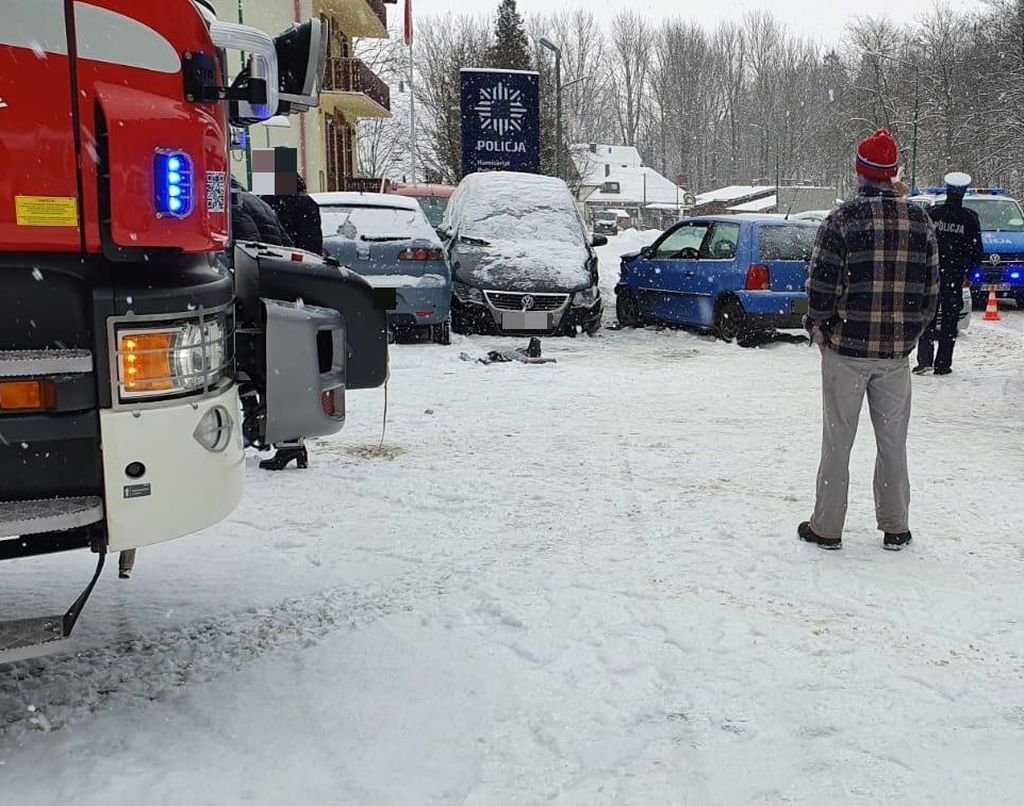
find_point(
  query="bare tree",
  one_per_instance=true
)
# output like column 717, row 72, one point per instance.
column 631, row 46
column 727, row 105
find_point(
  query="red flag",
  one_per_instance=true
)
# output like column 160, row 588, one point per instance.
column 408, row 22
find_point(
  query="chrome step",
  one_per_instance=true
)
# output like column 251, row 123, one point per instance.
column 24, row 363
column 19, row 518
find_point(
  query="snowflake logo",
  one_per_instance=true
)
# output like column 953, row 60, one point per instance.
column 501, row 109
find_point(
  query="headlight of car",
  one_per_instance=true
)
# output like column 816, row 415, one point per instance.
column 586, row 298
column 172, row 359
column 467, row 293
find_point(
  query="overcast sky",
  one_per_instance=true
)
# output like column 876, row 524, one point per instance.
column 821, row 19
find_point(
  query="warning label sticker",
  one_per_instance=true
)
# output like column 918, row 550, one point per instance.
column 46, row 211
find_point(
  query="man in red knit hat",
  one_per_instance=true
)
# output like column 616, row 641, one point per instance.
column 873, row 288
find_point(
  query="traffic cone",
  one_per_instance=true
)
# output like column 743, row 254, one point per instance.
column 992, row 310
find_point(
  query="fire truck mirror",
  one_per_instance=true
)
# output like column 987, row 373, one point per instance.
column 301, row 61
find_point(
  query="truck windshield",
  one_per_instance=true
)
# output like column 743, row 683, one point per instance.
column 997, row 215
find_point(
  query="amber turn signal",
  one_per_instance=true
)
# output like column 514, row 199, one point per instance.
column 146, row 361
column 27, row 396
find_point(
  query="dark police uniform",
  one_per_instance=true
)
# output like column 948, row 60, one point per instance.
column 958, row 232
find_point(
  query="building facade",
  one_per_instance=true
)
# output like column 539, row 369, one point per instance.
column 326, row 138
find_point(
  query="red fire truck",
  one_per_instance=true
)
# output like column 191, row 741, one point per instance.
column 141, row 348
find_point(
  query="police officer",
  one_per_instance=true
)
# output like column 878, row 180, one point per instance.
column 959, row 235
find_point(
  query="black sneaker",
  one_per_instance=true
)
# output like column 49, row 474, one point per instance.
column 921, row 369
column 807, row 534
column 897, row 542
column 943, row 371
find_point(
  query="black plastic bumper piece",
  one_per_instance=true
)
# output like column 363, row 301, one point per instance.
column 92, row 536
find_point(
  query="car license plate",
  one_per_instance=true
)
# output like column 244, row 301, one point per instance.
column 800, row 306
column 525, row 320
column 996, row 287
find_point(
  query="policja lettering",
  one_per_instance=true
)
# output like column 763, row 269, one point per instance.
column 495, row 147
column 949, row 227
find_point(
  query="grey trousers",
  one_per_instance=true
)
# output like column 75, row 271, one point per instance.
column 845, row 381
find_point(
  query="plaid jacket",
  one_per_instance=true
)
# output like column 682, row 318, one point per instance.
column 874, row 278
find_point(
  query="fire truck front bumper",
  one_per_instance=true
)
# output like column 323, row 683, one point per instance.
column 171, row 470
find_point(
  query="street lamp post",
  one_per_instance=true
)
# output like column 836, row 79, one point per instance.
column 917, row 106
column 547, row 43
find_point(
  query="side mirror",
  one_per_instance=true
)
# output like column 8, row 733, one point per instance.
column 647, row 252
column 599, row 240
column 259, row 98
column 301, row 62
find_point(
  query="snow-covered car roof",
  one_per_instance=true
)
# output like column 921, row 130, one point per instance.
column 499, row 205
column 365, row 200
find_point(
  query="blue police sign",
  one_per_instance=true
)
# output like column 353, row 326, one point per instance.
column 500, row 121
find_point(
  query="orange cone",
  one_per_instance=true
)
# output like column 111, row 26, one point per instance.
column 992, row 310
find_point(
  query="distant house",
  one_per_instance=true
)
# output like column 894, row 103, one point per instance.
column 725, row 200
column 614, row 177
column 765, row 199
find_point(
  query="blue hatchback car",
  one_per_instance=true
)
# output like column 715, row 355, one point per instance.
column 736, row 275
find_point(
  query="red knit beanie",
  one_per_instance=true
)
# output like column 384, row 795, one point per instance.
column 878, row 157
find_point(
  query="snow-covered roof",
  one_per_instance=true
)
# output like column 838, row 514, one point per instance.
column 595, row 161
column 756, row 206
column 733, row 193
column 636, row 186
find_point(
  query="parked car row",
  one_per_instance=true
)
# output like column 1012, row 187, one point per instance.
column 503, row 253
column 509, row 254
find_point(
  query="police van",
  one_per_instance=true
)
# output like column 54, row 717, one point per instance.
column 1002, row 242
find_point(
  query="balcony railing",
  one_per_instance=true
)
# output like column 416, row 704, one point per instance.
column 352, row 75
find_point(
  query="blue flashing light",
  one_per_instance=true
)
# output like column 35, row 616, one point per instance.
column 1014, row 275
column 173, row 184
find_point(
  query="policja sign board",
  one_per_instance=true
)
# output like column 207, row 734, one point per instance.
column 500, row 121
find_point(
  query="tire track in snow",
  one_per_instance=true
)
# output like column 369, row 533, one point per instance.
column 58, row 691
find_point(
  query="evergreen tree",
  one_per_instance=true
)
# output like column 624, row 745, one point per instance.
column 511, row 49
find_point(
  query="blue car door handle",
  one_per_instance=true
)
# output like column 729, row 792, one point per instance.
column 689, row 274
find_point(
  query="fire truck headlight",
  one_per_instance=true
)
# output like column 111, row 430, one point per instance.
column 173, row 184
column 171, row 360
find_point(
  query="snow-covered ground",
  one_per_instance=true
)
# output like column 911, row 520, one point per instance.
column 576, row 582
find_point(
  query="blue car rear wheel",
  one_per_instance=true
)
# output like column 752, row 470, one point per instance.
column 730, row 320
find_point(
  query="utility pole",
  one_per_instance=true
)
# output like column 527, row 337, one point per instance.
column 409, row 41
column 248, row 143
column 547, row 43
column 412, row 118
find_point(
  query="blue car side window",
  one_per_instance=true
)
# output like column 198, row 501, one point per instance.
column 723, row 243
column 683, row 243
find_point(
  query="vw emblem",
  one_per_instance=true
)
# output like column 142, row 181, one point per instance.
column 528, row 302
column 995, row 260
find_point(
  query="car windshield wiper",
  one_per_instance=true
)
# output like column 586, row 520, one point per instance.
column 473, row 241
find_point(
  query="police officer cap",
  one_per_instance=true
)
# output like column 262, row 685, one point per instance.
column 958, row 181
